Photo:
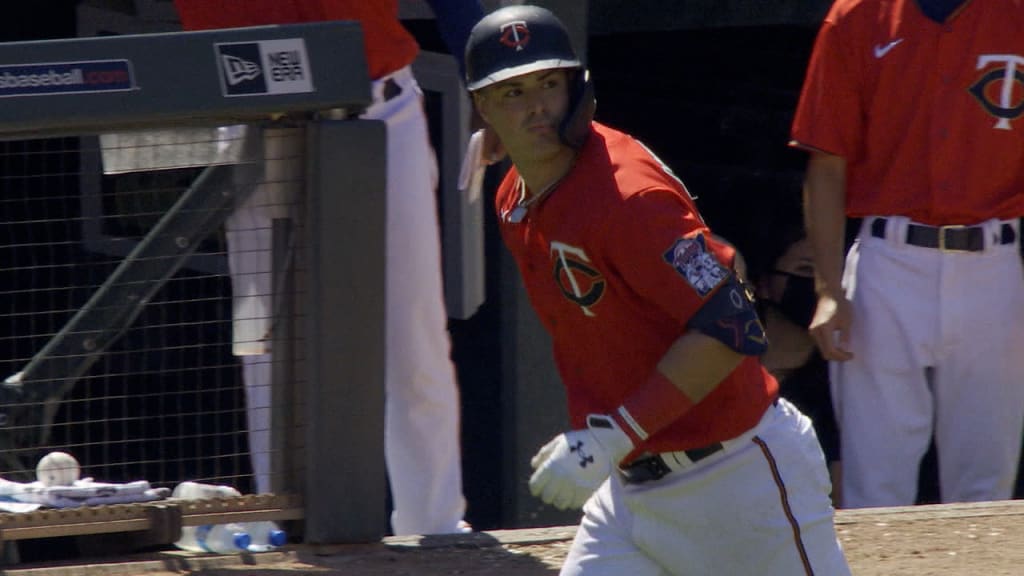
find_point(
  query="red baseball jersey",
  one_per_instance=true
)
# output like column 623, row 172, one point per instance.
column 928, row 116
column 616, row 259
column 389, row 46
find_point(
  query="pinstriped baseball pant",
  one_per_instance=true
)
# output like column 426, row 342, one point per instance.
column 762, row 508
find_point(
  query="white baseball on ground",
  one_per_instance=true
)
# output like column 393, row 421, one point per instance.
column 57, row 469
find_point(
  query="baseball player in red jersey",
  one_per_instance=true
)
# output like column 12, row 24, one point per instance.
column 422, row 403
column 913, row 112
column 698, row 467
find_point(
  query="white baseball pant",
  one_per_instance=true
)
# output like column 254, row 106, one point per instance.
column 249, row 235
column 938, row 339
column 756, row 507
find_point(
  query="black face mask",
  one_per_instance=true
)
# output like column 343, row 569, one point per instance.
column 798, row 299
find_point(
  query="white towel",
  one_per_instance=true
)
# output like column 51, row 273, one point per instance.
column 28, row 496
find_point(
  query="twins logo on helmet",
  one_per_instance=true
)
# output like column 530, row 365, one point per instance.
column 515, row 34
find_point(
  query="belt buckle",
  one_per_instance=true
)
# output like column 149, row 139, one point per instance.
column 942, row 238
column 645, row 469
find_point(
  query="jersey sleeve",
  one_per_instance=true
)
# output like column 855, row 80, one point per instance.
column 664, row 254
column 829, row 114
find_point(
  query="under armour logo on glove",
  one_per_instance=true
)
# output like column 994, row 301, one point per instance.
column 583, row 456
column 568, row 469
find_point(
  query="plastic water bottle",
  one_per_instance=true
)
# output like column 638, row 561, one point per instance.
column 189, row 490
column 216, row 538
column 265, row 536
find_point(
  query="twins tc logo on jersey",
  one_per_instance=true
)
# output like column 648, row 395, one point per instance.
column 580, row 282
column 1000, row 90
column 515, row 34
column 690, row 258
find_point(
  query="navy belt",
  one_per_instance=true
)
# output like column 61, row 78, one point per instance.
column 653, row 467
column 948, row 238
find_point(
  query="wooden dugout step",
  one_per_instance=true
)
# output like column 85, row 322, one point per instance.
column 161, row 520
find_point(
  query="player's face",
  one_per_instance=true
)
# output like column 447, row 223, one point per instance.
column 790, row 286
column 798, row 259
column 525, row 112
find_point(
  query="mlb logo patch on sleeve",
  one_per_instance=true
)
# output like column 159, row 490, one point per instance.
column 691, row 259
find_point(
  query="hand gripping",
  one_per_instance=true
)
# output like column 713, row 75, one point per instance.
column 569, row 468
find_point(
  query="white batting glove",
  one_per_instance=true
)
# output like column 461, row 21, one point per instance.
column 569, row 468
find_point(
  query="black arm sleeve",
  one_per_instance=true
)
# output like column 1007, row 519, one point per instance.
column 730, row 317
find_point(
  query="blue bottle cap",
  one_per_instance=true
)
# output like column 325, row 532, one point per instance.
column 241, row 540
column 278, row 537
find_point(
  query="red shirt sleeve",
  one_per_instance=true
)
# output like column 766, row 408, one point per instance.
column 829, row 116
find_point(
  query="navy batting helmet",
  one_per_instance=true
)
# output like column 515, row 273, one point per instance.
column 517, row 40
column 513, row 41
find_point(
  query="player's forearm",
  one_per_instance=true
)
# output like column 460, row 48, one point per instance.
column 691, row 368
column 696, row 363
column 825, row 218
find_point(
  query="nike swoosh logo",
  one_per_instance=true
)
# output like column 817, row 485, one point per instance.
column 881, row 51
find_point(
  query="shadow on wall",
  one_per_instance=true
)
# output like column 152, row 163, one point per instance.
column 715, row 105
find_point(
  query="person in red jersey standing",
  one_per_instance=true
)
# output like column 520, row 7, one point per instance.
column 422, row 446
column 913, row 114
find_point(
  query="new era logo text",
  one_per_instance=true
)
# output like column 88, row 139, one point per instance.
column 264, row 67
column 286, row 66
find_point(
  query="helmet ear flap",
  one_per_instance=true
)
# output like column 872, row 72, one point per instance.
column 575, row 127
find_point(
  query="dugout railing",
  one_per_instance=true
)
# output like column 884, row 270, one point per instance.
column 120, row 159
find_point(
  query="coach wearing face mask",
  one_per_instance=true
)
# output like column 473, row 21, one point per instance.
column 786, row 300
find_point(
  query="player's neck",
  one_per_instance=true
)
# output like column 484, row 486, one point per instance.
column 539, row 177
